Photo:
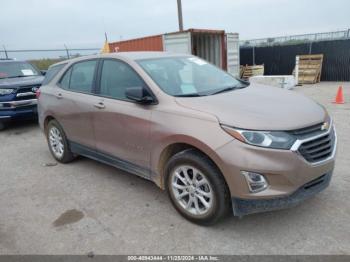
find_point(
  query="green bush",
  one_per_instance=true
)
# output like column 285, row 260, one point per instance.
column 43, row 64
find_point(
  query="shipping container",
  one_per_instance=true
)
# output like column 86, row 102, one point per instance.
column 215, row 46
column 150, row 43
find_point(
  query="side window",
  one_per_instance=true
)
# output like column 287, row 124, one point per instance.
column 64, row 83
column 52, row 72
column 116, row 77
column 82, row 76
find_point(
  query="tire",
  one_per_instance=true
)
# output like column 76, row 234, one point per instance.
column 2, row 126
column 208, row 185
column 56, row 135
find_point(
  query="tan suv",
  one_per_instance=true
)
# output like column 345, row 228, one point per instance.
column 215, row 143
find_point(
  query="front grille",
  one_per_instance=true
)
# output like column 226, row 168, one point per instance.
column 319, row 148
column 26, row 92
column 308, row 131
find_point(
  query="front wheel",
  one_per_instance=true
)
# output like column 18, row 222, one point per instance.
column 196, row 188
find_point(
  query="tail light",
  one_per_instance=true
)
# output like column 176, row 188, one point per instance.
column 37, row 93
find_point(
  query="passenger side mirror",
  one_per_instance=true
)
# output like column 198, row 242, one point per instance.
column 139, row 94
column 43, row 72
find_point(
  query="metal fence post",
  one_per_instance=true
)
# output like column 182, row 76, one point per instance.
column 7, row 57
column 253, row 54
column 67, row 51
column 310, row 48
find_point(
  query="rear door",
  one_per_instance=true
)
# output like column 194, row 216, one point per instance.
column 232, row 48
column 74, row 102
column 178, row 43
column 122, row 127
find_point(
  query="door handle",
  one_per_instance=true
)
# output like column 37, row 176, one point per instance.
column 100, row 105
column 59, row 96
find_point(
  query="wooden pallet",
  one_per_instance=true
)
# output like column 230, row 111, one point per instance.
column 310, row 69
column 249, row 71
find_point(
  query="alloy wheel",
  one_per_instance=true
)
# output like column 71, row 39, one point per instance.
column 56, row 142
column 192, row 190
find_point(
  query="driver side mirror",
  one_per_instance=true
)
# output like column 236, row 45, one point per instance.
column 139, row 94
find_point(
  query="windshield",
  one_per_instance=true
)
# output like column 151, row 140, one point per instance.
column 17, row 69
column 188, row 76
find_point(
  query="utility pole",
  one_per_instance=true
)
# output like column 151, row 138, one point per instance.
column 179, row 13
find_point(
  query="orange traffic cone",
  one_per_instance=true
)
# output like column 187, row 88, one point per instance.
column 339, row 99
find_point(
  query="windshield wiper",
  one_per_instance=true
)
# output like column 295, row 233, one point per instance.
column 18, row 76
column 230, row 88
column 188, row 95
column 226, row 89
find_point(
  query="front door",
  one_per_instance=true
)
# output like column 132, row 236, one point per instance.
column 122, row 127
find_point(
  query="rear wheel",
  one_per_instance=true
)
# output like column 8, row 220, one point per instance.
column 196, row 188
column 58, row 143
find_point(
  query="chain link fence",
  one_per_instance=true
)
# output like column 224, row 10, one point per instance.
column 297, row 39
column 37, row 54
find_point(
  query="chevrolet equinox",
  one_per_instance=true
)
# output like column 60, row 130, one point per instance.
column 214, row 143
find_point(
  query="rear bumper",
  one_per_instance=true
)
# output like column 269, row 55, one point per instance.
column 243, row 207
column 17, row 110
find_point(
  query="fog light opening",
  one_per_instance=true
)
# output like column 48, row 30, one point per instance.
column 256, row 182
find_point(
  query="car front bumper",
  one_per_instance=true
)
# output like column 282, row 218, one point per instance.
column 242, row 207
column 17, row 110
column 286, row 171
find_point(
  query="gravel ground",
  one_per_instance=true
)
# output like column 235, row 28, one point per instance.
column 50, row 208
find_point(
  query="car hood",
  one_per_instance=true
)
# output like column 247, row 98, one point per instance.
column 21, row 81
column 259, row 107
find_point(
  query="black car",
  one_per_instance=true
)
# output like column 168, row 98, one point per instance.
column 19, row 82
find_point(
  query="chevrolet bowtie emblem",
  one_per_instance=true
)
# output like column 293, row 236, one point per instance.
column 325, row 126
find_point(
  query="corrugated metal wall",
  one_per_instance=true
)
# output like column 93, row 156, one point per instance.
column 232, row 56
column 150, row 43
column 280, row 60
column 208, row 47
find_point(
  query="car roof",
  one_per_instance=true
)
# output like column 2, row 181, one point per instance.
column 127, row 55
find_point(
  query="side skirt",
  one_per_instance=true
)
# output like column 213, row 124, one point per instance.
column 110, row 160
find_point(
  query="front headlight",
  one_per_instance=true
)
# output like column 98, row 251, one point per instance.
column 6, row 91
column 271, row 139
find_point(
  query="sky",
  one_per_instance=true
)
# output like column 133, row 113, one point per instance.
column 35, row 24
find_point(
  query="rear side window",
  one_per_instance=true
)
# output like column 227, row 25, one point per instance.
column 116, row 77
column 52, row 72
column 80, row 77
column 66, row 79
